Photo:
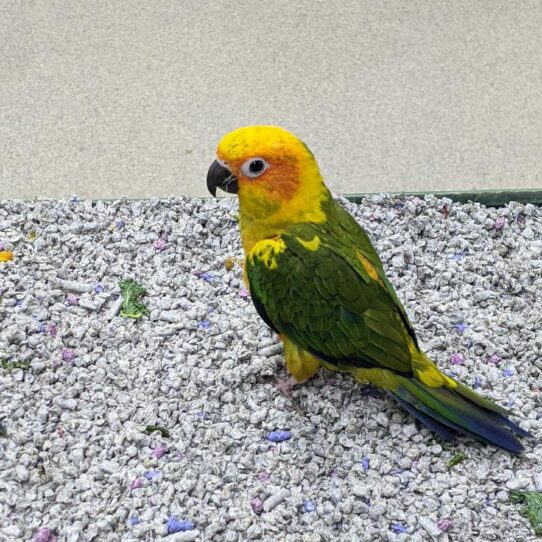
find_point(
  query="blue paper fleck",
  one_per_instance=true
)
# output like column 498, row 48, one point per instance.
column 150, row 474
column 365, row 464
column 461, row 327
column 279, row 436
column 175, row 525
column 204, row 325
column 134, row 521
column 508, row 372
column 119, row 224
column 398, row 528
column 477, row 382
column 208, row 277
column 309, row 506
column 98, row 288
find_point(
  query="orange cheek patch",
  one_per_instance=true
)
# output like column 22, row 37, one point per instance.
column 283, row 181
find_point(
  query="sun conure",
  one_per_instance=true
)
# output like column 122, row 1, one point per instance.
column 316, row 279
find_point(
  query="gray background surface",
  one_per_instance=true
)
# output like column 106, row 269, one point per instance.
column 109, row 99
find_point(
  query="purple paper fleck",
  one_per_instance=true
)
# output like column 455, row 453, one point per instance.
column 159, row 452
column 51, row 330
column 444, row 524
column 136, row 484
column 279, row 436
column 264, row 477
column 159, row 244
column 257, row 505
column 40, row 328
column 72, row 299
column 244, row 293
column 68, row 355
column 2, row 246
column 500, row 221
column 309, row 506
column 494, row 359
column 175, row 525
column 44, row 534
column 457, row 359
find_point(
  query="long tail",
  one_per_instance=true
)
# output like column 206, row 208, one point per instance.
column 449, row 411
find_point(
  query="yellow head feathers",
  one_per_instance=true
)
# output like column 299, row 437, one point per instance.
column 278, row 179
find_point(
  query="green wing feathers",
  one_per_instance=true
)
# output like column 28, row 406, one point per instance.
column 323, row 287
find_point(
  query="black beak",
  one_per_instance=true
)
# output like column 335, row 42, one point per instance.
column 220, row 177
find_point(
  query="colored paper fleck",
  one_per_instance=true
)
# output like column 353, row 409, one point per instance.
column 279, row 436
column 457, row 359
column 456, row 459
column 365, row 464
column 68, row 355
column 309, row 506
column 500, row 221
column 175, row 525
column 461, row 327
column 44, row 534
column 159, row 244
column 72, row 300
column 494, row 359
column 444, row 524
column 244, row 293
column 6, row 256
column 508, row 372
column 159, row 451
column 257, row 505
column 532, row 509
column 398, row 528
column 151, row 474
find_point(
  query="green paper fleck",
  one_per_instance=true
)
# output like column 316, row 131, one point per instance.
column 456, row 459
column 8, row 365
column 163, row 430
column 131, row 293
column 532, row 509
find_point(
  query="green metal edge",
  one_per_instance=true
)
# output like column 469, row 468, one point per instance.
column 489, row 198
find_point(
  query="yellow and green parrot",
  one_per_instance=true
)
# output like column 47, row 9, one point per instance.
column 317, row 281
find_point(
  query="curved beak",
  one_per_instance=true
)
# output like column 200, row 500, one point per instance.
column 220, row 177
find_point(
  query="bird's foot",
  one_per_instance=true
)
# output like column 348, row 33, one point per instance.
column 286, row 385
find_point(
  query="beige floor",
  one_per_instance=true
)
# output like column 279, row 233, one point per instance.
column 128, row 98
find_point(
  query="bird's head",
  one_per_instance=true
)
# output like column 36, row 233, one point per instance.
column 273, row 172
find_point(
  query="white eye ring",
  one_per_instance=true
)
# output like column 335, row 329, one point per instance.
column 254, row 167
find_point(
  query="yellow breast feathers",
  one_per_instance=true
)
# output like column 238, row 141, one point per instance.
column 267, row 250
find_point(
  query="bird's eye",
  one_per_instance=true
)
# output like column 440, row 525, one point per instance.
column 254, row 167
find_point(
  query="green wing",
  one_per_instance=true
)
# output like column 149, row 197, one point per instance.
column 325, row 303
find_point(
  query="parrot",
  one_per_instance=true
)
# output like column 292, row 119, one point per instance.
column 316, row 280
